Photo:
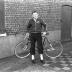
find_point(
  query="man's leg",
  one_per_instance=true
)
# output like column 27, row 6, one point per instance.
column 32, row 49
column 40, row 46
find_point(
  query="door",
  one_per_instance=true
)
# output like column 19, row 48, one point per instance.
column 66, row 23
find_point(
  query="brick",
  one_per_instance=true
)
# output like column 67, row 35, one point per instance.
column 18, row 13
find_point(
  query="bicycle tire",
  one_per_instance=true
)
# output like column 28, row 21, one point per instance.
column 58, row 48
column 22, row 49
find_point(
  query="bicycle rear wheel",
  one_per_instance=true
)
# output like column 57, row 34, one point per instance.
column 53, row 49
column 22, row 49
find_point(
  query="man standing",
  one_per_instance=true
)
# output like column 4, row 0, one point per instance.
column 34, row 29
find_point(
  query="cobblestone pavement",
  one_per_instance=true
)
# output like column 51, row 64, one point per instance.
column 61, row 64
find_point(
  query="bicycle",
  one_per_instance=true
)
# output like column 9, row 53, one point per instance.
column 52, row 49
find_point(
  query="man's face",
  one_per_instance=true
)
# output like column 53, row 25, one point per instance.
column 35, row 15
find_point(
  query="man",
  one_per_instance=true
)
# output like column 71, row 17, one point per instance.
column 34, row 29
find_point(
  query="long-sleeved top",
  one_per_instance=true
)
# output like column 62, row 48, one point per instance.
column 35, row 27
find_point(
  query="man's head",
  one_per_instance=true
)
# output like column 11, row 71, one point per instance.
column 35, row 15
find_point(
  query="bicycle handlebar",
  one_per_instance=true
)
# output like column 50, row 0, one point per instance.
column 47, row 33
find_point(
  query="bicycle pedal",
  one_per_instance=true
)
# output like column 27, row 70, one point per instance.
column 50, row 49
column 25, row 47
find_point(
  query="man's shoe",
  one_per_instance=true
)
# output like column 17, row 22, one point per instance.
column 33, row 61
column 42, row 61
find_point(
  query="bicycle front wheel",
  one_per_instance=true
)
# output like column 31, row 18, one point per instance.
column 53, row 49
column 22, row 49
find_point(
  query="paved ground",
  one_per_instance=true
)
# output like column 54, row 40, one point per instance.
column 62, row 64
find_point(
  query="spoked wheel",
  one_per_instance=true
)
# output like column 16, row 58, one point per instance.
column 22, row 49
column 53, row 49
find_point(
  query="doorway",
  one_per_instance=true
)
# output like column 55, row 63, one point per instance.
column 66, row 23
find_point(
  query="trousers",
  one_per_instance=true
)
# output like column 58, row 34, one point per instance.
column 36, row 37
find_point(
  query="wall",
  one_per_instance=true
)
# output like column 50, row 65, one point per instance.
column 18, row 12
column 8, row 43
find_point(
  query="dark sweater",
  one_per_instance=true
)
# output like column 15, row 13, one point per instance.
column 35, row 27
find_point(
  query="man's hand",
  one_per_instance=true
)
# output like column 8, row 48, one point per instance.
column 43, row 33
column 26, row 36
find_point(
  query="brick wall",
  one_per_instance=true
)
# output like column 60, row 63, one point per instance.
column 18, row 12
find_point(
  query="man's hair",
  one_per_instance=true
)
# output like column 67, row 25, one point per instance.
column 34, row 11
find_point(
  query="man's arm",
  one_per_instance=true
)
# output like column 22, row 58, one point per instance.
column 43, row 24
column 29, row 26
column 28, row 29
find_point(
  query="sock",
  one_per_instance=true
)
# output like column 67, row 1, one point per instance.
column 33, row 57
column 41, row 56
